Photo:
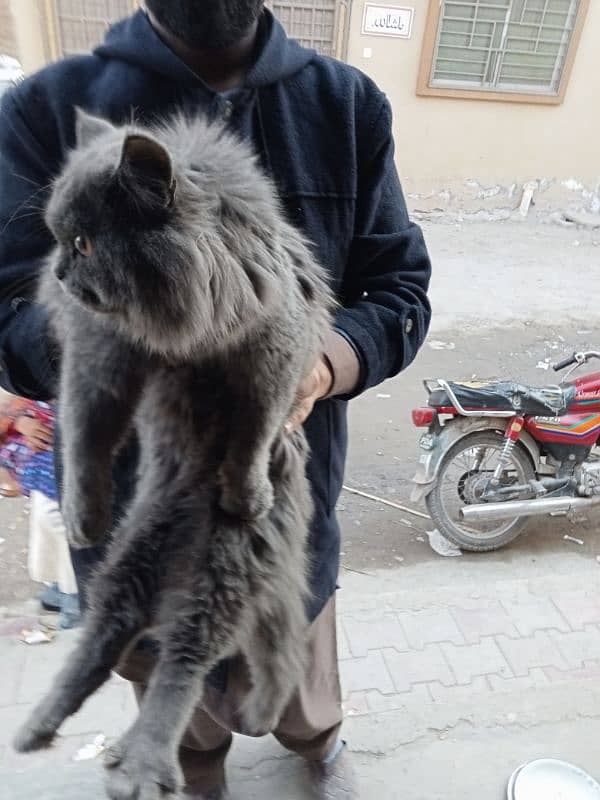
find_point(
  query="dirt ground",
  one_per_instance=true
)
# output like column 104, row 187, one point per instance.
column 507, row 297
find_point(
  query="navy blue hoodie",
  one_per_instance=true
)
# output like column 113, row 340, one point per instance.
column 323, row 131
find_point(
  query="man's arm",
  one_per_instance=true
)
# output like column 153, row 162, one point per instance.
column 27, row 365
column 386, row 313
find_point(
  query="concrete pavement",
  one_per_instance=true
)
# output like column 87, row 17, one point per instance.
column 446, row 691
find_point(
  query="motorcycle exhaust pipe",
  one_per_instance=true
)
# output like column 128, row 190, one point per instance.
column 488, row 512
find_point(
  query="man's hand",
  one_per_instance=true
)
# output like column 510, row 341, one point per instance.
column 37, row 436
column 314, row 386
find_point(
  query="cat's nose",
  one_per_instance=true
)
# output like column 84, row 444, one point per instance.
column 60, row 271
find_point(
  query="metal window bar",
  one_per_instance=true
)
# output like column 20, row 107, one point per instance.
column 321, row 24
column 81, row 24
column 509, row 44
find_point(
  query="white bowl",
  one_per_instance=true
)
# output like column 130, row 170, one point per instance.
column 550, row 779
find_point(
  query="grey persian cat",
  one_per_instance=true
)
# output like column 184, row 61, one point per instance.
column 186, row 306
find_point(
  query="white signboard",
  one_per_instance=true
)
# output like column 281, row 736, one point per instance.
column 388, row 21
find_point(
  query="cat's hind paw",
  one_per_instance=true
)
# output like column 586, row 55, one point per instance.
column 33, row 736
column 136, row 770
column 260, row 713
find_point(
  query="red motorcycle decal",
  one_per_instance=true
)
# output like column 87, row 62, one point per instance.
column 573, row 428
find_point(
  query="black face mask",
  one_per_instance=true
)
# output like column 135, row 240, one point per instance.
column 207, row 24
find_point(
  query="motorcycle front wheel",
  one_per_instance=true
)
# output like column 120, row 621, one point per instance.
column 463, row 474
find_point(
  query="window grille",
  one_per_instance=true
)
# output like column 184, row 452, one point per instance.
column 320, row 24
column 503, row 45
column 81, row 24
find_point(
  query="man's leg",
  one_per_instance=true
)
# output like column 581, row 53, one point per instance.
column 312, row 721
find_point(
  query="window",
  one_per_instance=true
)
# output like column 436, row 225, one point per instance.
column 79, row 25
column 320, row 24
column 500, row 49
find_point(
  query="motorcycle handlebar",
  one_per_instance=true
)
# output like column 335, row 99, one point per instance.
column 566, row 363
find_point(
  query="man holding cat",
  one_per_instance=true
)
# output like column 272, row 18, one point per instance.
column 322, row 130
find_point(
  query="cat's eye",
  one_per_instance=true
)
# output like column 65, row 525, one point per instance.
column 83, row 245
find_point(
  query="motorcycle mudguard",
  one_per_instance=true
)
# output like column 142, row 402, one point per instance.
column 459, row 427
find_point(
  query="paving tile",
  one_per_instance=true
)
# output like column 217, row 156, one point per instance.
column 12, row 660
column 42, row 662
column 11, row 718
column 538, row 650
column 589, row 671
column 62, row 752
column 472, row 660
column 417, row 666
column 535, row 614
column 489, row 619
column 536, row 679
column 430, row 627
column 418, row 696
column 343, row 648
column 578, row 647
column 578, row 607
column 460, row 694
column 108, row 711
column 356, row 705
column 382, row 630
column 370, row 672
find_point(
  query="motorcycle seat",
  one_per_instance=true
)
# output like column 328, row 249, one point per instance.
column 549, row 401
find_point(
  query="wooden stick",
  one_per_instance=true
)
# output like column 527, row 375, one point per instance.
column 386, row 502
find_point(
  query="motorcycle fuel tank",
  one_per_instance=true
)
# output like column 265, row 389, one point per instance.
column 581, row 426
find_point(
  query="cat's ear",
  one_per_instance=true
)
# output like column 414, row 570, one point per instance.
column 145, row 164
column 88, row 127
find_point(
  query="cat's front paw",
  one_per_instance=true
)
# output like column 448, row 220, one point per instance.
column 86, row 523
column 137, row 769
column 250, row 500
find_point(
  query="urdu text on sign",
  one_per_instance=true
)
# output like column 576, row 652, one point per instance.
column 388, row 21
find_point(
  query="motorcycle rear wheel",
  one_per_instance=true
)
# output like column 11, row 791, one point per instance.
column 467, row 465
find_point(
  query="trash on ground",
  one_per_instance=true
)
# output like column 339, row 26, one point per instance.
column 2, row 540
column 91, row 750
column 437, row 344
column 399, row 559
column 36, row 636
column 376, row 499
column 542, row 365
column 442, row 546
column 420, row 538
column 384, row 396
column 568, row 538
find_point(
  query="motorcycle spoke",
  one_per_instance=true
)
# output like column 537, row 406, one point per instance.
column 465, row 480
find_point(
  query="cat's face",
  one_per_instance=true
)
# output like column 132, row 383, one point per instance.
column 113, row 213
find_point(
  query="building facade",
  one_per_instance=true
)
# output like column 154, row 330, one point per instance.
column 492, row 98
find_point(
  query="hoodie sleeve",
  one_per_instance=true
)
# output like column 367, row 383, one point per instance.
column 385, row 314
column 27, row 361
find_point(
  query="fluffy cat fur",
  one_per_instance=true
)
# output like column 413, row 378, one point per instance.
column 185, row 306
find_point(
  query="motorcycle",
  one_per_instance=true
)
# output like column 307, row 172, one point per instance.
column 497, row 453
